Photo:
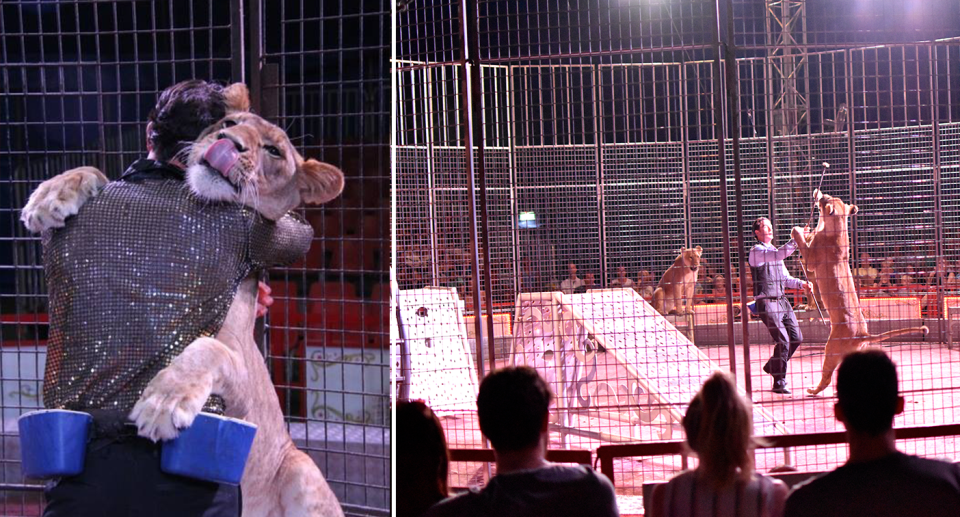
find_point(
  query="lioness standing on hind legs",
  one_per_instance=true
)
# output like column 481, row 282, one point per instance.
column 770, row 278
column 826, row 252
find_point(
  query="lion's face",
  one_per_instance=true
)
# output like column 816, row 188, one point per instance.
column 245, row 159
column 691, row 257
column 833, row 211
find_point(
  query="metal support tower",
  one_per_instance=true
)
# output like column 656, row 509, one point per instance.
column 787, row 86
column 786, row 60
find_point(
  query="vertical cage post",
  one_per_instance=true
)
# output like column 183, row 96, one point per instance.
column 937, row 180
column 512, row 173
column 733, row 109
column 601, row 206
column 238, row 47
column 685, row 154
column 851, row 155
column 470, row 91
column 256, row 54
column 718, row 124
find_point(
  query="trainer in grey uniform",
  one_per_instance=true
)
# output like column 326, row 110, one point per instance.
column 770, row 279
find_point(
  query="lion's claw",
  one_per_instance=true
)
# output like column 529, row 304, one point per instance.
column 168, row 404
column 61, row 197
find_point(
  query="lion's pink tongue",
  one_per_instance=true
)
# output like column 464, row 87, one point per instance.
column 222, row 155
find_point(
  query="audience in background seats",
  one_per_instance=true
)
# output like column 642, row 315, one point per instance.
column 905, row 286
column 513, row 411
column 572, row 282
column 422, row 460
column 877, row 479
column 719, row 428
column 589, row 282
column 866, row 274
column 943, row 270
column 887, row 278
column 530, row 281
column 645, row 284
column 718, row 292
column 622, row 280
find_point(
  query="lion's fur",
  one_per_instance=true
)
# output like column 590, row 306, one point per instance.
column 268, row 184
column 279, row 479
column 826, row 255
column 677, row 286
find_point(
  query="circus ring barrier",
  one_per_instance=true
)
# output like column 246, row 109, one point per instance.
column 656, row 370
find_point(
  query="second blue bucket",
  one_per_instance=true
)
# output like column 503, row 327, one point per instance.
column 214, row 448
column 53, row 442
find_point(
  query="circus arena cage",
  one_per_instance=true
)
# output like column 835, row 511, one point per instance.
column 77, row 80
column 534, row 135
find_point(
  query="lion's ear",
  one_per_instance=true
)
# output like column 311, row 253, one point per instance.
column 319, row 182
column 853, row 209
column 830, row 210
column 699, row 250
column 236, row 97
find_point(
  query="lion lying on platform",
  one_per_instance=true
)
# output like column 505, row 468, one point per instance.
column 242, row 159
column 826, row 254
column 676, row 288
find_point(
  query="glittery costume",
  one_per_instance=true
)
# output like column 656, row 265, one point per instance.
column 142, row 271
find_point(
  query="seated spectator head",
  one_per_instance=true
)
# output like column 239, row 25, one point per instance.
column 572, row 270
column 645, row 276
column 588, row 280
column 422, row 455
column 867, row 395
column 513, row 405
column 907, row 277
column 719, row 286
column 621, row 272
column 719, row 427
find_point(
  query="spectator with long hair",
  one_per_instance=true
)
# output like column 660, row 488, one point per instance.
column 422, row 459
column 719, row 428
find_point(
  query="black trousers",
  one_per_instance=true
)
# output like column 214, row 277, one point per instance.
column 122, row 477
column 778, row 316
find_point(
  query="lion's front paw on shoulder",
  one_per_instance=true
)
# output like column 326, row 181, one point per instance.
column 169, row 403
column 61, row 197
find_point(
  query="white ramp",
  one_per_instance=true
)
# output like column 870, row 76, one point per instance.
column 657, row 369
column 438, row 365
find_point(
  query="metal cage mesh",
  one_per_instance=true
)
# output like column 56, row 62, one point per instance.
column 599, row 136
column 77, row 80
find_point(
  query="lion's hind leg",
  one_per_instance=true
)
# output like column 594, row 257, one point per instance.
column 658, row 304
column 303, row 489
column 834, row 352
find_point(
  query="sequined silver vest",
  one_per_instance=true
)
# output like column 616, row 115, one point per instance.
column 142, row 271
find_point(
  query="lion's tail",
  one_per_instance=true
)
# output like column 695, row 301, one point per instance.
column 658, row 300
column 894, row 333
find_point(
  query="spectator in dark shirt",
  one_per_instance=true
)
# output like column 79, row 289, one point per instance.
column 877, row 480
column 513, row 408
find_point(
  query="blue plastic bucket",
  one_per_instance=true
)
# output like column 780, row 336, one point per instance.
column 753, row 308
column 214, row 448
column 53, row 442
